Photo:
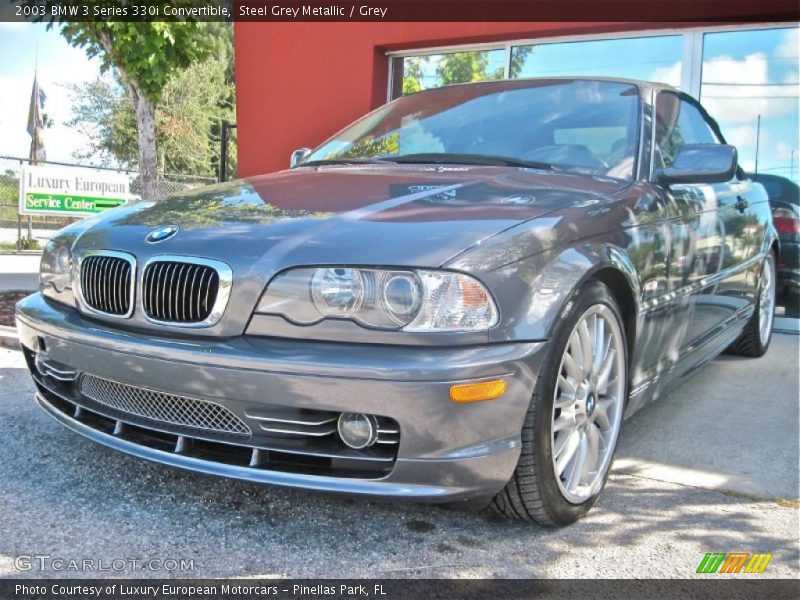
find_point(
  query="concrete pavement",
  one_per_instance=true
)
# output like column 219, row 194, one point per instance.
column 733, row 426
column 19, row 272
column 698, row 471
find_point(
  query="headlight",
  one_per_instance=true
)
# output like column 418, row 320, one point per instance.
column 56, row 267
column 414, row 301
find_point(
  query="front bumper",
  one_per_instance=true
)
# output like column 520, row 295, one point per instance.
column 446, row 451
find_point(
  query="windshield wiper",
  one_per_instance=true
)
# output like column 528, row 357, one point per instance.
column 471, row 159
column 344, row 161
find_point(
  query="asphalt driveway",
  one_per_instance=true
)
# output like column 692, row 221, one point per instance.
column 713, row 467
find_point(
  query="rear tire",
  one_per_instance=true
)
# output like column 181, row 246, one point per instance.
column 757, row 335
column 536, row 492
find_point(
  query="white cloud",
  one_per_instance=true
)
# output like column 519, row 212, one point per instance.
column 743, row 137
column 743, row 93
column 790, row 44
column 13, row 25
column 670, row 75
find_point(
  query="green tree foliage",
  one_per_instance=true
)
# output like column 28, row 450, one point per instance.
column 145, row 56
column 464, row 67
column 412, row 74
column 460, row 67
column 102, row 112
column 193, row 104
column 9, row 187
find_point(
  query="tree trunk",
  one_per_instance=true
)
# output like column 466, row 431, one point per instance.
column 145, row 112
column 146, row 128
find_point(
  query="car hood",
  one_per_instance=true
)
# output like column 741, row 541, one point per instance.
column 404, row 215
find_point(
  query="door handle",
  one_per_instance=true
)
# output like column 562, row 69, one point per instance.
column 741, row 204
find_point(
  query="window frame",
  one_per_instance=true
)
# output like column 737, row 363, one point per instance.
column 682, row 96
column 691, row 60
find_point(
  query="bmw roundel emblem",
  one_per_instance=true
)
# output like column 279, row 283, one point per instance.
column 161, row 234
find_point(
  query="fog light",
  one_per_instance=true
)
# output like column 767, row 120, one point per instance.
column 475, row 392
column 358, row 430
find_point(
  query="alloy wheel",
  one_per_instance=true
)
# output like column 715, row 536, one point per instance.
column 766, row 300
column 588, row 404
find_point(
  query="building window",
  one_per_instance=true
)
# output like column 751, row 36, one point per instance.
column 749, row 84
column 648, row 58
column 426, row 71
column 746, row 78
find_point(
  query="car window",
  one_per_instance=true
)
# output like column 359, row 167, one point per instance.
column 678, row 123
column 579, row 125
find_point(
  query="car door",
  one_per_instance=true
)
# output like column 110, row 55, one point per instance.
column 697, row 231
column 744, row 216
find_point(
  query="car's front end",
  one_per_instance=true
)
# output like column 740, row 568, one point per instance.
column 229, row 348
column 363, row 324
column 268, row 410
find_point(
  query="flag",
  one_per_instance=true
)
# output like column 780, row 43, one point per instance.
column 36, row 122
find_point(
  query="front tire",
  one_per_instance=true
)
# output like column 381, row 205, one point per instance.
column 757, row 335
column 573, row 422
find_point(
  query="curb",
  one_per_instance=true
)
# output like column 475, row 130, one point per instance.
column 8, row 338
column 786, row 325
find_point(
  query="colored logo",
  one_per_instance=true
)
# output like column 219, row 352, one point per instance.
column 734, row 562
column 161, row 234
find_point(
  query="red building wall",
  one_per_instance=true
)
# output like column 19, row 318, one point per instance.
column 298, row 83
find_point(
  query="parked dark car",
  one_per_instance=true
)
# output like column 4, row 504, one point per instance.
column 456, row 298
column 784, row 198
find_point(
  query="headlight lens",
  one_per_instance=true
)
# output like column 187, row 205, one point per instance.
column 414, row 301
column 56, row 267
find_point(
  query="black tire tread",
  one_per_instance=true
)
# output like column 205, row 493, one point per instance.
column 521, row 498
column 524, row 497
column 749, row 342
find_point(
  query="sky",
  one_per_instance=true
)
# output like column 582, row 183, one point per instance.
column 59, row 64
column 744, row 74
column 767, row 61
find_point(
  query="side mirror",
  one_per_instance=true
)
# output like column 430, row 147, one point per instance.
column 700, row 163
column 299, row 156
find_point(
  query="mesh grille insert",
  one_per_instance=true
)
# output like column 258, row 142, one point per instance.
column 162, row 407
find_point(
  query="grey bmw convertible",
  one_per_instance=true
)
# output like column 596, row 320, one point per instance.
column 457, row 299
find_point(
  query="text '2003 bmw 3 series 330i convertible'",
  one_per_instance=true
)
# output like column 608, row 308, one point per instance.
column 457, row 298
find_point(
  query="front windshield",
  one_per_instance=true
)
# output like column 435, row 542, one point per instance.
column 575, row 125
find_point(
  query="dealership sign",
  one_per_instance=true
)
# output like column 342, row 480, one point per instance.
column 71, row 191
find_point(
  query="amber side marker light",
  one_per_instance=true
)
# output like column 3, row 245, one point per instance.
column 475, row 392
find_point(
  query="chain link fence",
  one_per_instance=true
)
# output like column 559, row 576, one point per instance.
column 24, row 232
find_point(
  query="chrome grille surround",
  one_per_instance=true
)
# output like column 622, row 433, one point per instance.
column 162, row 407
column 106, row 283
column 178, row 291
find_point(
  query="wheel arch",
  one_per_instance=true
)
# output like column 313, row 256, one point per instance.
column 548, row 283
column 619, row 286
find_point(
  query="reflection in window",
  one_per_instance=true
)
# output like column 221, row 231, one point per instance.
column 678, row 123
column 651, row 59
column 585, row 126
column 435, row 70
column 747, row 74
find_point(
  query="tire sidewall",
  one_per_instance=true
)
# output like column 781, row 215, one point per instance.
column 590, row 294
